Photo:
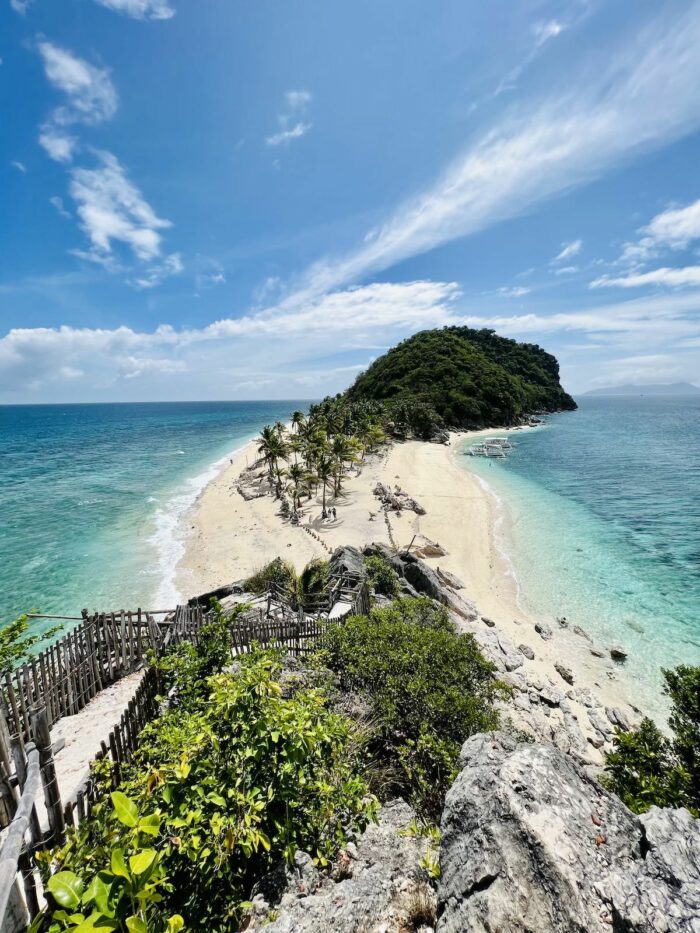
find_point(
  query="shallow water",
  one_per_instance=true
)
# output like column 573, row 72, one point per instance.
column 602, row 525
column 92, row 497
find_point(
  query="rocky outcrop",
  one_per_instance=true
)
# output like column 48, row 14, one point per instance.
column 347, row 559
column 398, row 500
column 376, row 885
column 532, row 844
column 254, row 483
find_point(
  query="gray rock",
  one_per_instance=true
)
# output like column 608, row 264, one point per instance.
column 543, row 630
column 551, row 696
column 488, row 621
column 618, row 653
column 618, row 718
column 347, row 560
column 385, row 873
column 527, row 651
column 581, row 632
column 532, row 844
column 425, row 580
column 449, row 579
column 564, row 672
column 597, row 653
column 563, row 621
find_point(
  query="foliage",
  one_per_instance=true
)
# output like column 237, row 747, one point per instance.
column 466, row 377
column 648, row 769
column 381, row 576
column 313, row 581
column 126, row 892
column 277, row 573
column 238, row 775
column 429, row 688
column 16, row 645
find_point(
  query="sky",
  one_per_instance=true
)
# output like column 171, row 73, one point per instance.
column 225, row 199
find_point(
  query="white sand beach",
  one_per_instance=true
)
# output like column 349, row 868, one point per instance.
column 230, row 537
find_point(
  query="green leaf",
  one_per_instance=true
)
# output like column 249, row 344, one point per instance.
column 142, row 861
column 118, row 865
column 150, row 824
column 98, row 893
column 175, row 924
column 66, row 889
column 126, row 810
column 136, row 925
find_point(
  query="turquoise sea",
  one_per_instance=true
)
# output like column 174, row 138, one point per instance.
column 92, row 497
column 600, row 518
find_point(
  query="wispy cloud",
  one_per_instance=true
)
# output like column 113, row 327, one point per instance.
column 568, row 251
column 671, row 277
column 158, row 273
column 91, row 96
column 673, row 229
column 57, row 202
column 515, row 291
column 112, row 209
column 290, row 120
column 645, row 97
column 20, row 166
column 140, row 9
column 21, row 6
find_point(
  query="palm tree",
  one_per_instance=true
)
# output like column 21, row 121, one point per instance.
column 298, row 418
column 324, row 470
column 343, row 450
column 273, row 449
column 266, row 444
column 280, row 428
column 298, row 483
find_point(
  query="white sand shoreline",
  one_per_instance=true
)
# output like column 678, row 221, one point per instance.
column 228, row 538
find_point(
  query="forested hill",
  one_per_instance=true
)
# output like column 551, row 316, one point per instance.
column 472, row 378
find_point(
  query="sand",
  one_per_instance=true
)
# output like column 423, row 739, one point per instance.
column 229, row 538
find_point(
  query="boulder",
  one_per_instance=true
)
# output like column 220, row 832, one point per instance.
column 532, row 844
column 564, row 672
column 618, row 653
column 347, row 560
column 449, row 579
column 372, row 888
column 527, row 651
column 543, row 630
column 425, row 580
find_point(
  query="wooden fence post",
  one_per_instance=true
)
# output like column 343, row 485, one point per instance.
column 52, row 795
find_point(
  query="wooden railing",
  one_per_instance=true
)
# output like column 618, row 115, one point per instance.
column 64, row 677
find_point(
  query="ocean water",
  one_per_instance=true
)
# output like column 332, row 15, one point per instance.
column 600, row 518
column 92, row 497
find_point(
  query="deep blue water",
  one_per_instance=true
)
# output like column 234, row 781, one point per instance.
column 91, row 496
column 602, row 522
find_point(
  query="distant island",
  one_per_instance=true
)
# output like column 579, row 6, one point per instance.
column 673, row 388
column 465, row 378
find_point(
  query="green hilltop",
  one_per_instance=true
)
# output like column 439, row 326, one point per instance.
column 470, row 378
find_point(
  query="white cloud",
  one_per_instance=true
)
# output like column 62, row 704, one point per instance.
column 642, row 96
column 568, row 251
column 546, row 30
column 291, row 126
column 57, row 202
column 156, row 274
column 92, row 97
column 20, row 166
column 58, row 144
column 516, row 291
column 21, row 6
column 112, row 209
column 674, row 229
column 674, row 278
column 566, row 270
column 140, row 9
column 285, row 136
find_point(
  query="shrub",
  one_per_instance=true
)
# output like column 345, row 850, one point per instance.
column 313, row 581
column 277, row 573
column 648, row 769
column 382, row 577
column 429, row 688
column 237, row 782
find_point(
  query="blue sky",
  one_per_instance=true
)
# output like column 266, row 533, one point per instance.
column 226, row 199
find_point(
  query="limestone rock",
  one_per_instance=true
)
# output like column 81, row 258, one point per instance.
column 488, row 621
column 347, row 560
column 527, row 651
column 564, row 672
column 384, row 874
column 449, row 579
column 543, row 630
column 618, row 653
column 532, row 844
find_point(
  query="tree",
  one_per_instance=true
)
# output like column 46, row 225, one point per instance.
column 648, row 769
column 298, row 418
column 325, row 468
column 298, row 483
column 16, row 645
